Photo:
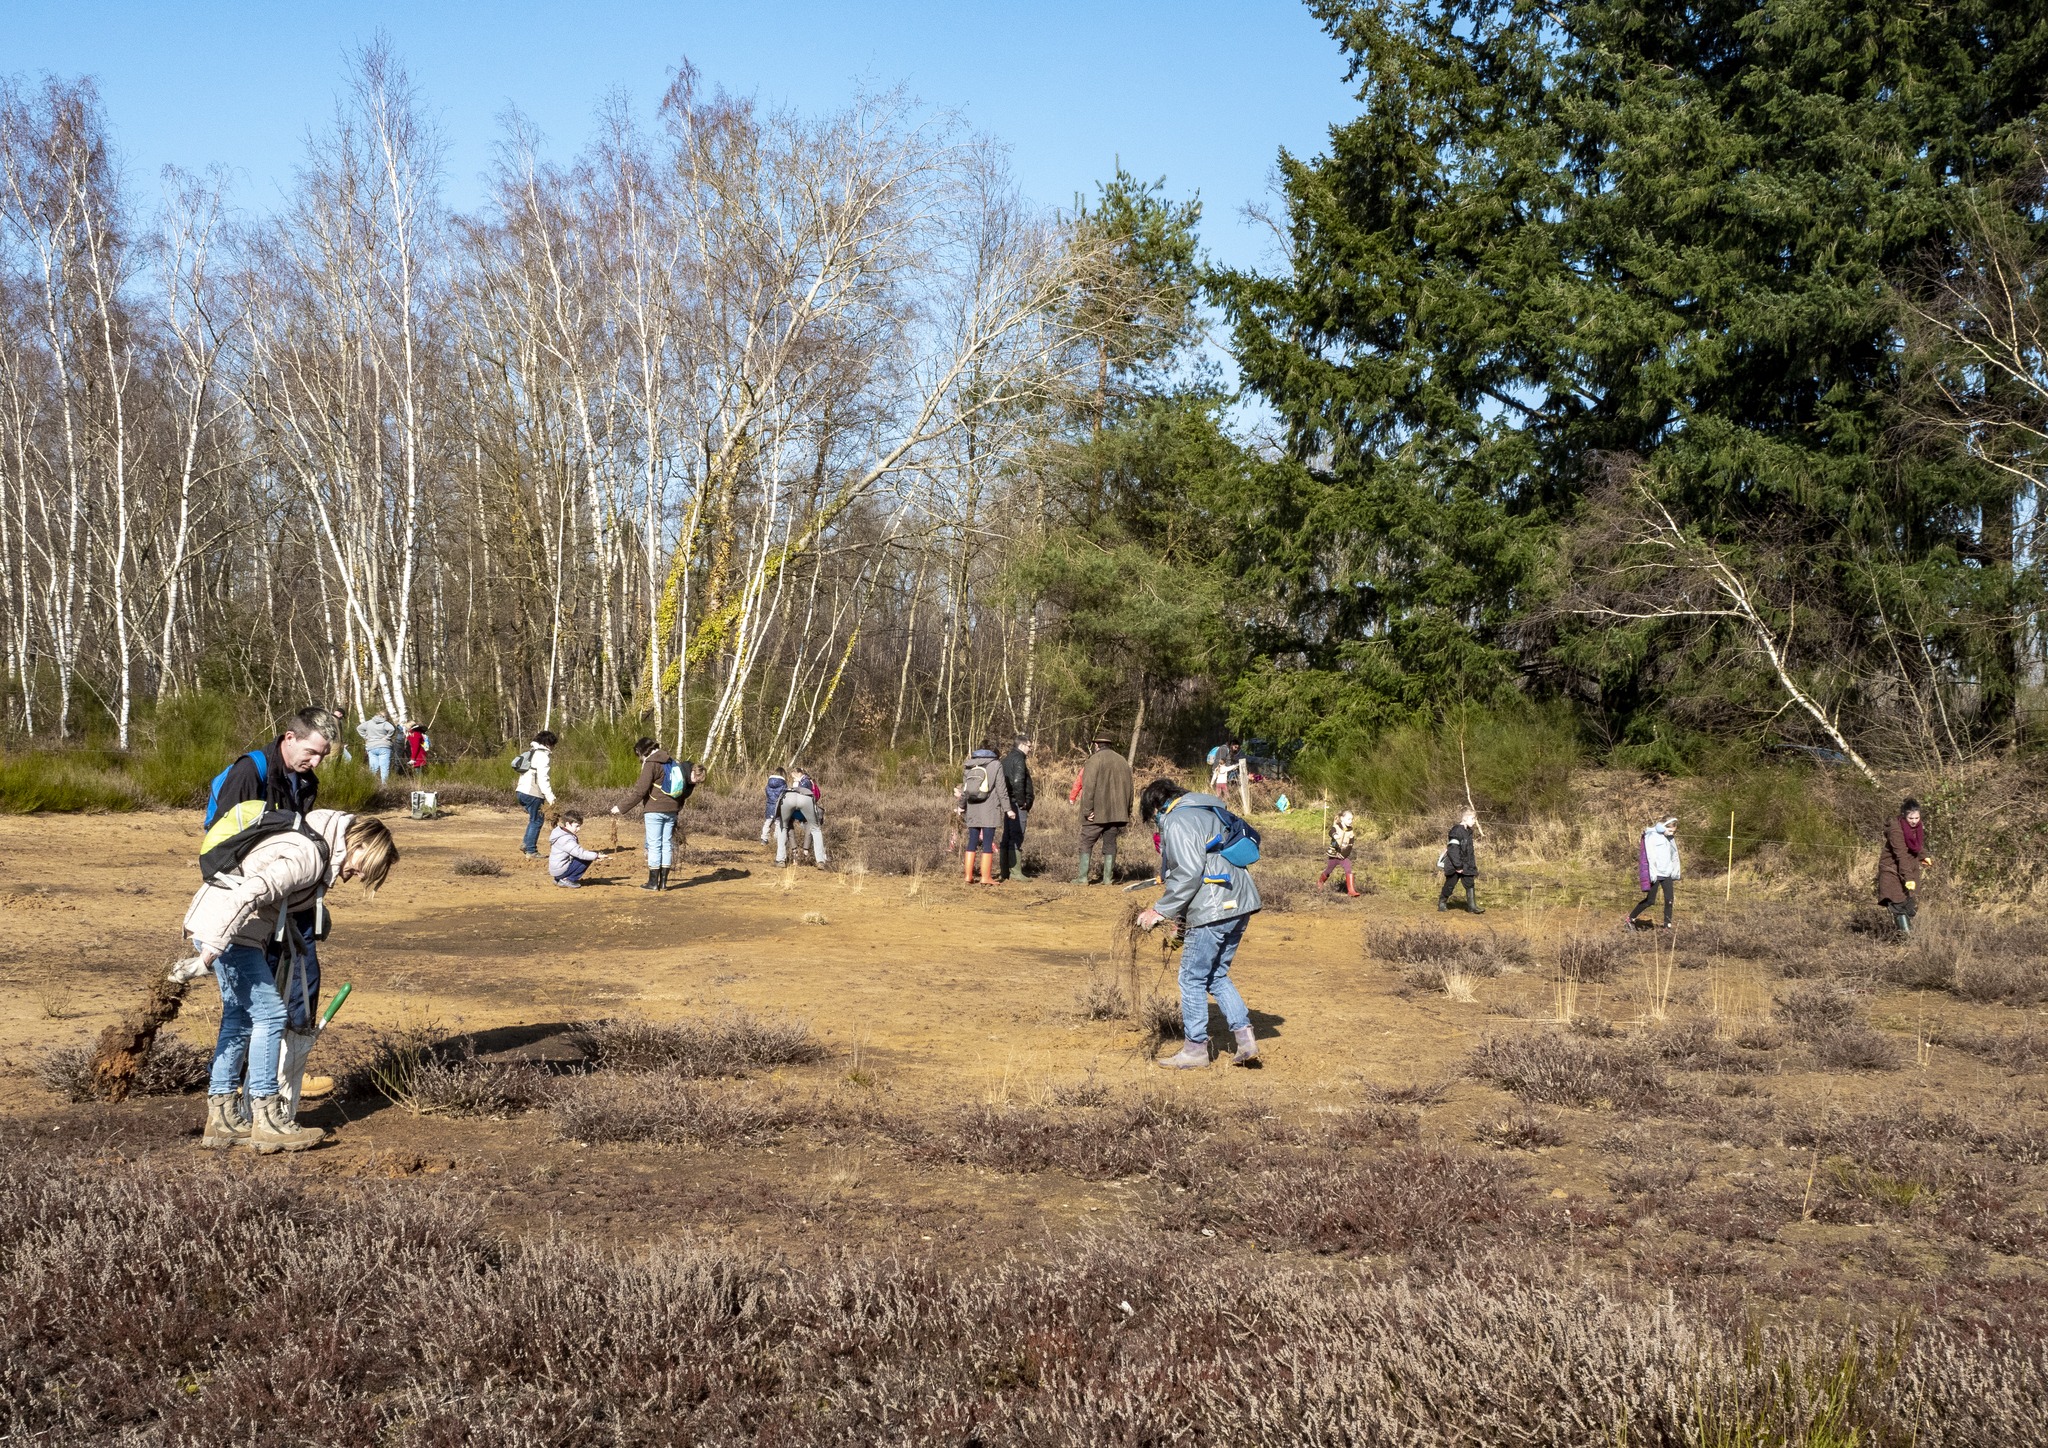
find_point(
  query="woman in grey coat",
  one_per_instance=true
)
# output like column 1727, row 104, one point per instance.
column 984, row 796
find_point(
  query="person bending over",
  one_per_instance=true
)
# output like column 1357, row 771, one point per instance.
column 1214, row 901
column 236, row 923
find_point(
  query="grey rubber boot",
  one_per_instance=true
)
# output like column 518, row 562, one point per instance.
column 1247, row 1049
column 1192, row 1056
column 224, row 1124
column 273, row 1131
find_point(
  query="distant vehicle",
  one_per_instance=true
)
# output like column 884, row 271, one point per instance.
column 1268, row 760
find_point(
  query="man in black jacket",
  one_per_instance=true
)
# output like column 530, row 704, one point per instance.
column 285, row 781
column 1023, row 793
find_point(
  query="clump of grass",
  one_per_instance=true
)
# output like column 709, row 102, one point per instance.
column 64, row 782
column 734, row 1044
column 2023, row 1049
column 1556, row 1069
column 1101, row 999
column 477, row 865
column 173, row 1067
column 1415, row 1093
column 1519, row 1131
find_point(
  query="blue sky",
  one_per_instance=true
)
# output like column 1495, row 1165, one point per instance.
column 1203, row 92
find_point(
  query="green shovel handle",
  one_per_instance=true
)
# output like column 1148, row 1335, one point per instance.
column 335, row 1004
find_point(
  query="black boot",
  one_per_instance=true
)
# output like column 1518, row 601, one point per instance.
column 653, row 880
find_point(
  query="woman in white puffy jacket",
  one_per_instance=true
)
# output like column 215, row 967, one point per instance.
column 233, row 922
column 1657, row 867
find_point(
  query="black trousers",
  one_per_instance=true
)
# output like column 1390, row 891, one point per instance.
column 1651, row 894
column 1451, row 883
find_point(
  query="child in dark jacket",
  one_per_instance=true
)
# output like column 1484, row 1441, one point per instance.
column 1460, row 862
column 778, row 785
column 1343, row 836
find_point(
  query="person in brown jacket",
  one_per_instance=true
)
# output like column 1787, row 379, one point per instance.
column 662, row 787
column 1899, row 864
column 1104, row 794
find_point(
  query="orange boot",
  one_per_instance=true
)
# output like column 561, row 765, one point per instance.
column 988, row 869
column 968, row 878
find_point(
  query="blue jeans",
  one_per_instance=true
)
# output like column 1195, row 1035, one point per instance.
column 251, row 1023
column 534, row 805
column 1205, row 958
column 380, row 763
column 661, row 840
column 572, row 872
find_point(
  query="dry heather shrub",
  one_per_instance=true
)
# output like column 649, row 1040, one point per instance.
column 1126, row 1139
column 668, row 1110
column 1426, row 1200
column 2024, row 1048
column 1692, row 1045
column 430, row 1074
column 2001, row 975
column 1415, row 1093
column 172, row 1068
column 1556, row 1069
column 1413, row 945
column 1828, row 1020
column 733, row 1044
column 441, row 1332
column 1594, row 958
column 477, row 865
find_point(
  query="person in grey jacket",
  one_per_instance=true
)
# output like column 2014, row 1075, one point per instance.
column 377, row 733
column 984, row 795
column 1213, row 900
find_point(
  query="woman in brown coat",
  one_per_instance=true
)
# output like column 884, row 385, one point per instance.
column 1899, row 864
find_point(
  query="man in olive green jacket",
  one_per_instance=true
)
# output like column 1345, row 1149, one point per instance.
column 1103, row 793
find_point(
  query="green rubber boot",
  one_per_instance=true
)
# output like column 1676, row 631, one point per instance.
column 1082, row 878
column 1109, row 867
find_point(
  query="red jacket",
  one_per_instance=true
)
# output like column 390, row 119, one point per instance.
column 416, row 748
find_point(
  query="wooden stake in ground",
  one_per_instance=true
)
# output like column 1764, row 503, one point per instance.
column 1729, row 892
column 126, row 1044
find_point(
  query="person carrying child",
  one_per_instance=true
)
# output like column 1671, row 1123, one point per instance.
column 567, row 859
column 1343, row 835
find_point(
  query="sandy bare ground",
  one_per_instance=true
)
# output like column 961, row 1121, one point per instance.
column 931, row 996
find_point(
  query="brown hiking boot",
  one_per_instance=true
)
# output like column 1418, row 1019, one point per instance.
column 273, row 1131
column 312, row 1088
column 224, row 1124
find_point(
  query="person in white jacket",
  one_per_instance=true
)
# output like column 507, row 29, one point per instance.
column 233, row 924
column 536, row 788
column 1657, row 868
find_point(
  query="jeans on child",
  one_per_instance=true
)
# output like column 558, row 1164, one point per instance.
column 251, row 1023
column 661, row 841
column 534, row 805
column 1205, row 957
column 380, row 763
column 572, row 872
